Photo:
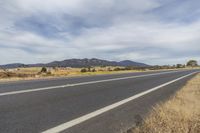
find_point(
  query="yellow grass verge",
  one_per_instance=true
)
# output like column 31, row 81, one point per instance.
column 34, row 73
column 180, row 114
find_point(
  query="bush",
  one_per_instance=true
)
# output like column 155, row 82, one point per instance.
column 109, row 69
column 117, row 69
column 128, row 68
column 180, row 66
column 93, row 70
column 48, row 73
column 83, row 70
column 89, row 69
column 43, row 70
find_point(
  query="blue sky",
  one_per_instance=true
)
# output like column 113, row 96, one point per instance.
column 149, row 31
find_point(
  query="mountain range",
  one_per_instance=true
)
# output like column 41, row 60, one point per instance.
column 78, row 63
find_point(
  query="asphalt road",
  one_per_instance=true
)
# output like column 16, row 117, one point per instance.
column 100, row 104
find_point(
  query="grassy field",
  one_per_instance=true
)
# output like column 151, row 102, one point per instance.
column 180, row 114
column 35, row 72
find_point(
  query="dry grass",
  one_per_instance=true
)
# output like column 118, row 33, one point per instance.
column 34, row 73
column 181, row 114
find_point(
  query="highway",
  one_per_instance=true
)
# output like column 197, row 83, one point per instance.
column 91, row 104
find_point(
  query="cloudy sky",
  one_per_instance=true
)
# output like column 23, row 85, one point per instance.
column 149, row 31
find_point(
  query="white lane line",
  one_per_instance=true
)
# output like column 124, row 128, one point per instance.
column 86, row 117
column 78, row 84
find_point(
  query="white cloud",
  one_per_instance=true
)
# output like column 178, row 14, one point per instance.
column 108, row 29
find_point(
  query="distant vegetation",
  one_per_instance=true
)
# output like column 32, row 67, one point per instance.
column 43, row 70
column 25, row 71
column 86, row 63
column 192, row 63
column 83, row 70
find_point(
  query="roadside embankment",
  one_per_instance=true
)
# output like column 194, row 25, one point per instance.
column 180, row 114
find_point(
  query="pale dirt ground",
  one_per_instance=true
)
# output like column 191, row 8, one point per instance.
column 180, row 114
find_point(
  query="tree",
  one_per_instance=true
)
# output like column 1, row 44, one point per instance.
column 93, row 70
column 117, row 69
column 43, row 70
column 179, row 66
column 192, row 63
column 89, row 68
column 83, row 70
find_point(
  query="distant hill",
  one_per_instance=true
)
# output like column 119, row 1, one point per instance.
column 82, row 63
column 78, row 63
column 14, row 65
column 132, row 63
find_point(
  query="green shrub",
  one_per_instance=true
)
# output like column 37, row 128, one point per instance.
column 83, row 70
column 43, row 70
column 117, row 69
column 93, row 70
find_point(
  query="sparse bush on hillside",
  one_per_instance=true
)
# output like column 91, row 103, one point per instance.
column 103, row 66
